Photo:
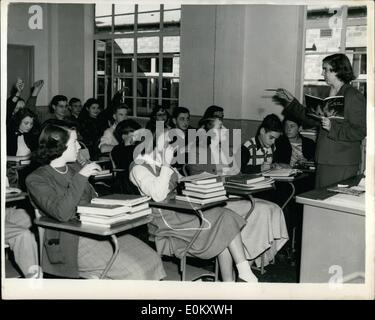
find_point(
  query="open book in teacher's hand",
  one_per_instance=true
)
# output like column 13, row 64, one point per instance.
column 330, row 107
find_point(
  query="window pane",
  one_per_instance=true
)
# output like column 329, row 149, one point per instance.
column 148, row 22
column 357, row 12
column 143, row 65
column 356, row 36
column 313, row 67
column 124, row 24
column 103, row 25
column 123, row 46
column 359, row 64
column 171, row 44
column 323, row 40
column 167, row 65
column 127, row 83
column 148, row 7
column 322, row 12
column 124, row 8
column 123, row 65
column 103, row 9
column 144, row 106
column 172, row 19
column 101, row 85
column 147, row 87
column 148, row 45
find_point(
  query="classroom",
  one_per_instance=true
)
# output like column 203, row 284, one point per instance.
column 186, row 142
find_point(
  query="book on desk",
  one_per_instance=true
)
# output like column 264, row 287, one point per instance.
column 202, row 189
column 113, row 209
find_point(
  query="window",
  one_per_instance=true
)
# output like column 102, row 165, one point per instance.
column 334, row 29
column 137, row 50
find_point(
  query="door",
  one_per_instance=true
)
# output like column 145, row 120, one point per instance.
column 20, row 65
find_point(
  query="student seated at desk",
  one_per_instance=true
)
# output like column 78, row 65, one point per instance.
column 75, row 108
column 291, row 147
column 16, row 103
column 108, row 140
column 220, row 236
column 56, row 188
column 20, row 238
column 91, row 127
column 257, row 152
column 122, row 155
column 266, row 228
column 159, row 113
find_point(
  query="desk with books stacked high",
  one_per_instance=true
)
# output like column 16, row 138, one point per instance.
column 105, row 229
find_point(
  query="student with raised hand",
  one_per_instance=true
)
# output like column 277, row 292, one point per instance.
column 56, row 189
column 108, row 139
column 221, row 237
column 257, row 152
column 338, row 146
column 15, row 102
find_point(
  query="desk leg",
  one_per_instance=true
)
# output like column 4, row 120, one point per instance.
column 114, row 256
column 291, row 195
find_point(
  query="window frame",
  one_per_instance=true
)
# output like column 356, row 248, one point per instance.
column 135, row 35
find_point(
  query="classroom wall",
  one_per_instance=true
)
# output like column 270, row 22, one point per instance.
column 230, row 54
column 63, row 47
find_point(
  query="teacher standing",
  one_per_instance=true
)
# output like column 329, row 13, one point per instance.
column 338, row 147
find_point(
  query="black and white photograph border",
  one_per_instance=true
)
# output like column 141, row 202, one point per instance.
column 242, row 50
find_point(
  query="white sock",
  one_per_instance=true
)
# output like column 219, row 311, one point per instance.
column 245, row 272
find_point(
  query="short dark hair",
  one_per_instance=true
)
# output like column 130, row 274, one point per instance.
column 210, row 111
column 74, row 100
column 123, row 128
column 207, row 123
column 55, row 100
column 178, row 110
column 271, row 123
column 90, row 102
column 156, row 109
column 120, row 106
column 52, row 143
column 22, row 114
column 291, row 118
column 341, row 65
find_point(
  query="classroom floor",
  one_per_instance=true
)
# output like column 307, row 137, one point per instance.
column 284, row 270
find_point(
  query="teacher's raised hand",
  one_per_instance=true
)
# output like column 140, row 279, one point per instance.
column 284, row 95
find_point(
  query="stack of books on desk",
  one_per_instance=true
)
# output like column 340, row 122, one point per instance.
column 202, row 189
column 248, row 182
column 112, row 210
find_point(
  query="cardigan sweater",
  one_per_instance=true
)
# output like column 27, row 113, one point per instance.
column 57, row 195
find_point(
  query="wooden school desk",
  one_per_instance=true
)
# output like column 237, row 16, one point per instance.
column 78, row 227
column 333, row 235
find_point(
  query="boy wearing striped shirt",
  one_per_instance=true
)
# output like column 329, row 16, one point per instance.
column 257, row 152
